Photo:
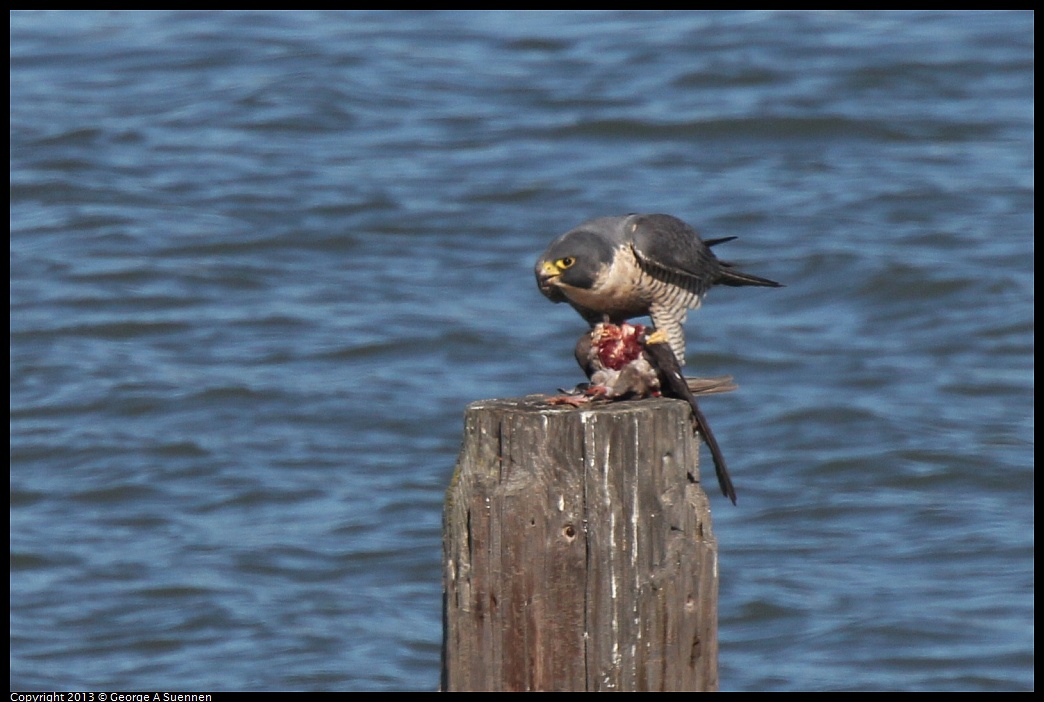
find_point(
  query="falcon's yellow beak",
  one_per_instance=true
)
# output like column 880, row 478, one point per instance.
column 549, row 270
column 549, row 277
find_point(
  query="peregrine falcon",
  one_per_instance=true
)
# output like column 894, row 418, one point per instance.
column 624, row 361
column 639, row 264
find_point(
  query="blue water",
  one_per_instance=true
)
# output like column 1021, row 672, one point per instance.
column 261, row 262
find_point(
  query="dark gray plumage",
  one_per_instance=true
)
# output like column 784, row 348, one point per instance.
column 636, row 265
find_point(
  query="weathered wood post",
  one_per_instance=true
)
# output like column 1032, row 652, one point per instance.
column 578, row 552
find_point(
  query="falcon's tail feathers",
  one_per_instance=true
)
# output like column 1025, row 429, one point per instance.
column 721, row 240
column 730, row 276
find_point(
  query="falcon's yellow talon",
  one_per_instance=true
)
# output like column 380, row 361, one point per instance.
column 657, row 337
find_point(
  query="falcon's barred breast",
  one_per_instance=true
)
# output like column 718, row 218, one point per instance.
column 617, row 268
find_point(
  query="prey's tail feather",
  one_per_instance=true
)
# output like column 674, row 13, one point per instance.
column 720, row 469
column 659, row 354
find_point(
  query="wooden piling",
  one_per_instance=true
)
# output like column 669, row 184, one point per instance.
column 578, row 552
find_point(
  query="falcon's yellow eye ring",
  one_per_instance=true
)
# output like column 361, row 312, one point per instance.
column 564, row 263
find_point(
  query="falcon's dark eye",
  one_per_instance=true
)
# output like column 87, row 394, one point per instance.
column 566, row 262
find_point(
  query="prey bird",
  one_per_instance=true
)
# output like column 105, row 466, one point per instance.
column 625, row 361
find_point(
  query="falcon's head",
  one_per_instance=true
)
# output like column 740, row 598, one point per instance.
column 578, row 259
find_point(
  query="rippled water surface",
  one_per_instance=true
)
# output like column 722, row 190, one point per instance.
column 260, row 263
